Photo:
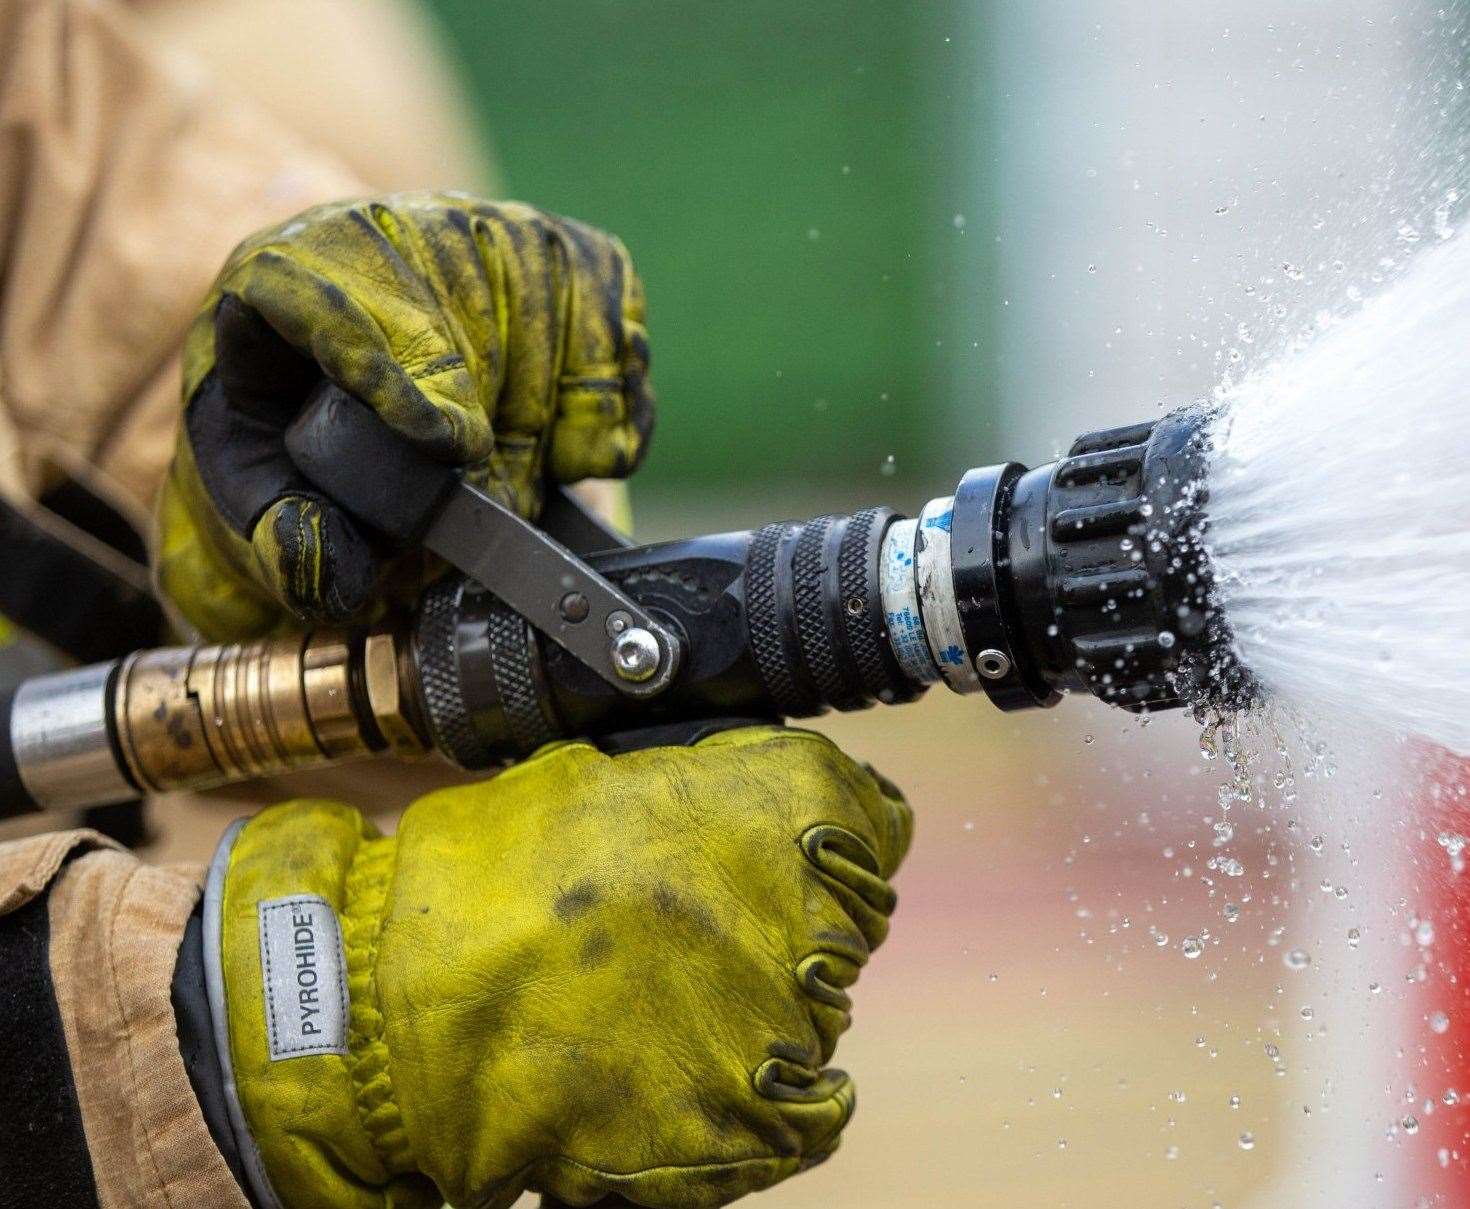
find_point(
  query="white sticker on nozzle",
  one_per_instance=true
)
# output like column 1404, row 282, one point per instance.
column 935, row 579
column 901, row 616
column 305, row 977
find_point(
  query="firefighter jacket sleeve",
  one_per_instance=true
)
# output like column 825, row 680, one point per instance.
column 100, row 1107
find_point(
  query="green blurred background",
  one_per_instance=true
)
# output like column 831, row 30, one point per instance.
column 792, row 183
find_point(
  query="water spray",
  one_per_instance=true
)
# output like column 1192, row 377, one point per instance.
column 1339, row 483
column 1085, row 575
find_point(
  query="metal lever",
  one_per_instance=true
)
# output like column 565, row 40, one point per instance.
column 415, row 500
column 564, row 518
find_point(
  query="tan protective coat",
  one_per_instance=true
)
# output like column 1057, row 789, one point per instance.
column 124, row 181
column 115, row 927
column 138, row 144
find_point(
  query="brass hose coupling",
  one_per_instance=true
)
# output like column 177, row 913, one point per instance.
column 191, row 717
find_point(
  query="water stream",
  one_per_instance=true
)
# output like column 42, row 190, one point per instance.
column 1340, row 511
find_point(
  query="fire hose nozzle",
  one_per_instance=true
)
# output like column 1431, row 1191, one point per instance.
column 1088, row 575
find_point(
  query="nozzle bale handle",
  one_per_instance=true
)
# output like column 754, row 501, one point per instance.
column 334, row 440
column 418, row 501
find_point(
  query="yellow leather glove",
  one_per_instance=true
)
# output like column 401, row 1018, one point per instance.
column 589, row 975
column 492, row 335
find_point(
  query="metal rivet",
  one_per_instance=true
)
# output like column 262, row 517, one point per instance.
column 635, row 654
column 617, row 622
column 992, row 664
column 854, row 606
column 574, row 607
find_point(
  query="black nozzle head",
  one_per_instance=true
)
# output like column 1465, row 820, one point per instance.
column 1113, row 576
column 1207, row 671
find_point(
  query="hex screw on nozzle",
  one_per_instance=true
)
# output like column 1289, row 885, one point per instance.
column 635, row 654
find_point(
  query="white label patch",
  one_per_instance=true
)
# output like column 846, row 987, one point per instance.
column 305, row 977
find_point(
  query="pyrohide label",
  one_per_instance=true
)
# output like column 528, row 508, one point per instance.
column 305, row 977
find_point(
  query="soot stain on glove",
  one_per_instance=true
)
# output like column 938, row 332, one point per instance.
column 597, row 946
column 673, row 905
column 577, row 901
column 747, row 1118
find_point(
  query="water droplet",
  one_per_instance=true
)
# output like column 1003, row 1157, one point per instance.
column 1354, row 937
column 1161, row 939
column 1166, row 639
column 1247, row 1141
column 1296, row 959
column 1410, row 1124
column 1207, row 741
column 1231, row 913
column 889, row 466
column 1190, row 946
column 1439, row 1022
column 1442, row 228
column 1234, row 1101
column 1454, row 846
column 1424, row 933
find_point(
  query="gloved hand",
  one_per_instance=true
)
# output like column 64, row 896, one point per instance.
column 588, row 975
column 493, row 336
